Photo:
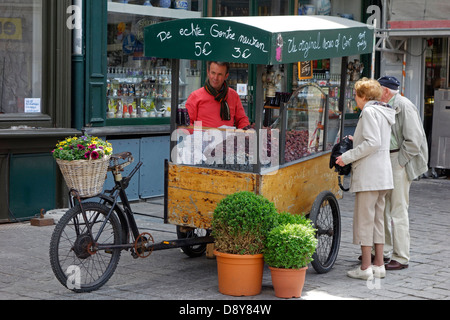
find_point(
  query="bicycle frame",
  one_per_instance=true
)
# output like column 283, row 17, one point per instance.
column 126, row 216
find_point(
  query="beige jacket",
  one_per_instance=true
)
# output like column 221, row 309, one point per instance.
column 371, row 163
column 410, row 135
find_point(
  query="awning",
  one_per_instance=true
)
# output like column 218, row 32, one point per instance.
column 258, row 40
column 419, row 28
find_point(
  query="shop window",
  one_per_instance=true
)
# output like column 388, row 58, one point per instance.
column 139, row 87
column 227, row 8
column 20, row 57
column 272, row 7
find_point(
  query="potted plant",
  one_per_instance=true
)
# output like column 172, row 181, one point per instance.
column 289, row 248
column 83, row 162
column 240, row 224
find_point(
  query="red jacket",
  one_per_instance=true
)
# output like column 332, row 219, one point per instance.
column 202, row 107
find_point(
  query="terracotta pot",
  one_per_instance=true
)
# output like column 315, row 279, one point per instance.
column 239, row 275
column 288, row 283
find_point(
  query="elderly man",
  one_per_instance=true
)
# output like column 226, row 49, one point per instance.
column 409, row 158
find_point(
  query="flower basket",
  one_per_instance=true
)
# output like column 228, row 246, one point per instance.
column 84, row 163
column 85, row 176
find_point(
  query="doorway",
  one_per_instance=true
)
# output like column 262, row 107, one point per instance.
column 436, row 77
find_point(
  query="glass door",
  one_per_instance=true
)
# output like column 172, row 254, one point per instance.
column 436, row 56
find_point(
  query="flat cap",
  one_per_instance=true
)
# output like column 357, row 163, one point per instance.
column 389, row 82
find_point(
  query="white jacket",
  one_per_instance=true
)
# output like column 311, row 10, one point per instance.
column 371, row 162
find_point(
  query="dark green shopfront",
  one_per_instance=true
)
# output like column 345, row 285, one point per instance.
column 65, row 46
column 73, row 66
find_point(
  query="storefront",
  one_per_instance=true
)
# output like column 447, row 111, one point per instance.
column 35, row 108
column 416, row 51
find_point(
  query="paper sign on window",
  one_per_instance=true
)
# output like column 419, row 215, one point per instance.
column 33, row 105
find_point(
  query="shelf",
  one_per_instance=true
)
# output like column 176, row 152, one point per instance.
column 137, row 121
column 124, row 8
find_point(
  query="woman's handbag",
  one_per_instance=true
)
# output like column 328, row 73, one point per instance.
column 338, row 149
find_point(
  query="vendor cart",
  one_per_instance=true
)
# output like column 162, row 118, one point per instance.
column 290, row 164
column 284, row 157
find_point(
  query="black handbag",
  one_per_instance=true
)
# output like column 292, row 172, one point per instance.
column 338, row 149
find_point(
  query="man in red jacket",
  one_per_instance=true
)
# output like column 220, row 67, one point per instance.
column 216, row 104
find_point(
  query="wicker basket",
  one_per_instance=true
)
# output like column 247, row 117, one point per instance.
column 85, row 176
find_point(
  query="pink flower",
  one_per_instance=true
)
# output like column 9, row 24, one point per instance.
column 81, row 147
column 94, row 155
column 87, row 155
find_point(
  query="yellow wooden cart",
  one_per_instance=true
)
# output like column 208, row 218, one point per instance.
column 287, row 160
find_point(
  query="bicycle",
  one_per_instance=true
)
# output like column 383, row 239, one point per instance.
column 87, row 242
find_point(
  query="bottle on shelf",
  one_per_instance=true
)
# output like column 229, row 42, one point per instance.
column 141, row 93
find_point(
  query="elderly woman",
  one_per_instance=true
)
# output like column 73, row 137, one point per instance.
column 371, row 175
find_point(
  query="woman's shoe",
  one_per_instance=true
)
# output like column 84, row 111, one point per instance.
column 361, row 274
column 379, row 271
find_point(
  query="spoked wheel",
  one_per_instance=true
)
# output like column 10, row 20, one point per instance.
column 325, row 215
column 195, row 250
column 75, row 261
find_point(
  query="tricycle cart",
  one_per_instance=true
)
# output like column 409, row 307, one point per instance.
column 284, row 157
column 296, row 174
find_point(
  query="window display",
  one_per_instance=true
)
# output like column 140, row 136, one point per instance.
column 139, row 86
column 331, row 82
column 21, row 57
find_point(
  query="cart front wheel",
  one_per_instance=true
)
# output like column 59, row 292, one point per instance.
column 195, row 250
column 325, row 215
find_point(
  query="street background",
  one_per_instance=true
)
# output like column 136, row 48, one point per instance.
column 25, row 272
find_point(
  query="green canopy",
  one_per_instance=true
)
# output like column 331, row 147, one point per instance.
column 258, row 40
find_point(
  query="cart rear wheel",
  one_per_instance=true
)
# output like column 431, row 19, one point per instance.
column 195, row 250
column 325, row 215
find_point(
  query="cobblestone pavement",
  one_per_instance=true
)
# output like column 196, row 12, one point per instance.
column 25, row 272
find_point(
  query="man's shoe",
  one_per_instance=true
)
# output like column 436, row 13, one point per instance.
column 361, row 274
column 395, row 265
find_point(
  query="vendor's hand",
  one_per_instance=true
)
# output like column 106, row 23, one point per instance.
column 339, row 161
column 249, row 127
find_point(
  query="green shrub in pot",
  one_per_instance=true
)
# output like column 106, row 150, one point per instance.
column 291, row 243
column 288, row 218
column 241, row 222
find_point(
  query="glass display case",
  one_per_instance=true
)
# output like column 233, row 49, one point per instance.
column 309, row 129
column 307, row 125
column 139, row 87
